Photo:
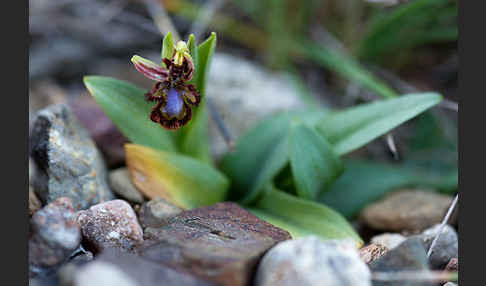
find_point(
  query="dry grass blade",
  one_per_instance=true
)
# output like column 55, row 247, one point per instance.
column 442, row 225
column 422, row 276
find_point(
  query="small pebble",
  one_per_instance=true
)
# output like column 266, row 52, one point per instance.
column 389, row 240
column 407, row 210
column 372, row 252
column 157, row 212
column 122, row 185
column 446, row 247
column 110, row 224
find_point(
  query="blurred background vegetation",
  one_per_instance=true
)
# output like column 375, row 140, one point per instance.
column 337, row 52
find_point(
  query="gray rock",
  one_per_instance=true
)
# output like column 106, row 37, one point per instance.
column 157, row 212
column 67, row 161
column 110, row 224
column 222, row 243
column 446, row 247
column 310, row 261
column 136, row 270
column 389, row 240
column 450, row 284
column 243, row 93
column 55, row 234
column 409, row 210
column 121, row 184
column 101, row 273
column 408, row 256
column 101, row 129
column 372, row 252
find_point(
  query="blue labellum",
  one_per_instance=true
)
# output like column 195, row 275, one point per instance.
column 174, row 103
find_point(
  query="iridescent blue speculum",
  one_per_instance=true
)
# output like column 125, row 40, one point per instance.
column 175, row 98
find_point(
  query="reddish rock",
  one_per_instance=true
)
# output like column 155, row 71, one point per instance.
column 372, row 252
column 55, row 234
column 453, row 265
column 110, row 224
column 222, row 243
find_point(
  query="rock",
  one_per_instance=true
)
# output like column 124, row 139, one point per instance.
column 309, row 261
column 105, row 134
column 110, row 224
column 450, row 284
column 100, row 273
column 135, row 269
column 245, row 95
column 372, row 252
column 67, row 161
column 453, row 265
column 55, row 234
column 222, row 243
column 122, row 185
column 157, row 213
column 410, row 255
column 43, row 94
column 389, row 240
column 446, row 247
column 34, row 203
column 407, row 210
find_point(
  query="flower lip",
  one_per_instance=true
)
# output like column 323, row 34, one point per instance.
column 174, row 103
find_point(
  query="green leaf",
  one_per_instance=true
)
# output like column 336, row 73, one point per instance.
column 182, row 180
column 314, row 164
column 393, row 33
column 168, row 48
column 124, row 103
column 194, row 138
column 258, row 156
column 302, row 217
column 364, row 182
column 345, row 66
column 261, row 154
column 356, row 126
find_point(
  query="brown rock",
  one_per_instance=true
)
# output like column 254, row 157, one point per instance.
column 110, row 224
column 121, row 268
column 372, row 252
column 222, row 243
column 157, row 213
column 407, row 210
column 453, row 265
column 34, row 203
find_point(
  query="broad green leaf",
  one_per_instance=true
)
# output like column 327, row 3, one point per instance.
column 262, row 153
column 314, row 164
column 167, row 47
column 302, row 217
column 364, row 182
column 258, row 156
column 194, row 138
column 124, row 103
column 354, row 127
column 182, row 180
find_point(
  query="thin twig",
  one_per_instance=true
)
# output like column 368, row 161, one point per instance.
column 442, row 225
column 391, row 144
column 228, row 138
column 424, row 275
